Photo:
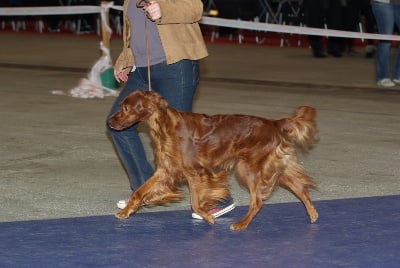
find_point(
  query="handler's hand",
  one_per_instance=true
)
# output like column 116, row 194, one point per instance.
column 120, row 76
column 153, row 10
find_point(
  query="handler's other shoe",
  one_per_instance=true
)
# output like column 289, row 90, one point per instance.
column 221, row 209
column 121, row 204
column 396, row 81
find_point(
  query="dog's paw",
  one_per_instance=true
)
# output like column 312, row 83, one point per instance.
column 209, row 219
column 122, row 215
column 314, row 217
column 238, row 226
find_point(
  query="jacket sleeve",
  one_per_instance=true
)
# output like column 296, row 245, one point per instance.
column 180, row 11
column 125, row 60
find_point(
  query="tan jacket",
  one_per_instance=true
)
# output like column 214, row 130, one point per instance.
column 179, row 32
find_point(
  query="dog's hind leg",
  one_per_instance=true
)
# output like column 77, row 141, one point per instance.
column 251, row 179
column 254, row 207
column 299, row 186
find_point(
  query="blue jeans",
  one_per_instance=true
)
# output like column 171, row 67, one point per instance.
column 386, row 15
column 174, row 82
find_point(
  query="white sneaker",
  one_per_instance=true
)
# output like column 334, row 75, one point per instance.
column 216, row 212
column 386, row 82
column 121, row 204
column 396, row 81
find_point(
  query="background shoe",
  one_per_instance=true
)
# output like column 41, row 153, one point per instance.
column 218, row 211
column 121, row 204
column 386, row 82
column 396, row 81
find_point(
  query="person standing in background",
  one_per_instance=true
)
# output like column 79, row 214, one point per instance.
column 353, row 10
column 366, row 11
column 321, row 13
column 387, row 15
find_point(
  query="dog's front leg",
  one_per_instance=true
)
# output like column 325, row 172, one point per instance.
column 207, row 217
column 132, row 206
column 195, row 203
column 138, row 197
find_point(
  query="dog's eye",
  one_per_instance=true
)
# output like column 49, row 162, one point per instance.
column 125, row 108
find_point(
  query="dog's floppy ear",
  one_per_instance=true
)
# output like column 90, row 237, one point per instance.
column 157, row 99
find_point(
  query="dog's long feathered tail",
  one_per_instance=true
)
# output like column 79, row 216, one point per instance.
column 301, row 128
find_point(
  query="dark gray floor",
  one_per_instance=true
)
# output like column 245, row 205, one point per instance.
column 57, row 162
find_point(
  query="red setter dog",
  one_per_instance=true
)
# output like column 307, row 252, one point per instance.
column 200, row 150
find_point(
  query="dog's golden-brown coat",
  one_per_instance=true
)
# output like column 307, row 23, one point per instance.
column 200, row 150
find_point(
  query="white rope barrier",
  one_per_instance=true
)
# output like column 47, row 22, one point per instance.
column 54, row 10
column 120, row 8
column 42, row 11
column 239, row 24
column 268, row 27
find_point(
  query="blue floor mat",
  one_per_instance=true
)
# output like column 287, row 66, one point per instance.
column 359, row 232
